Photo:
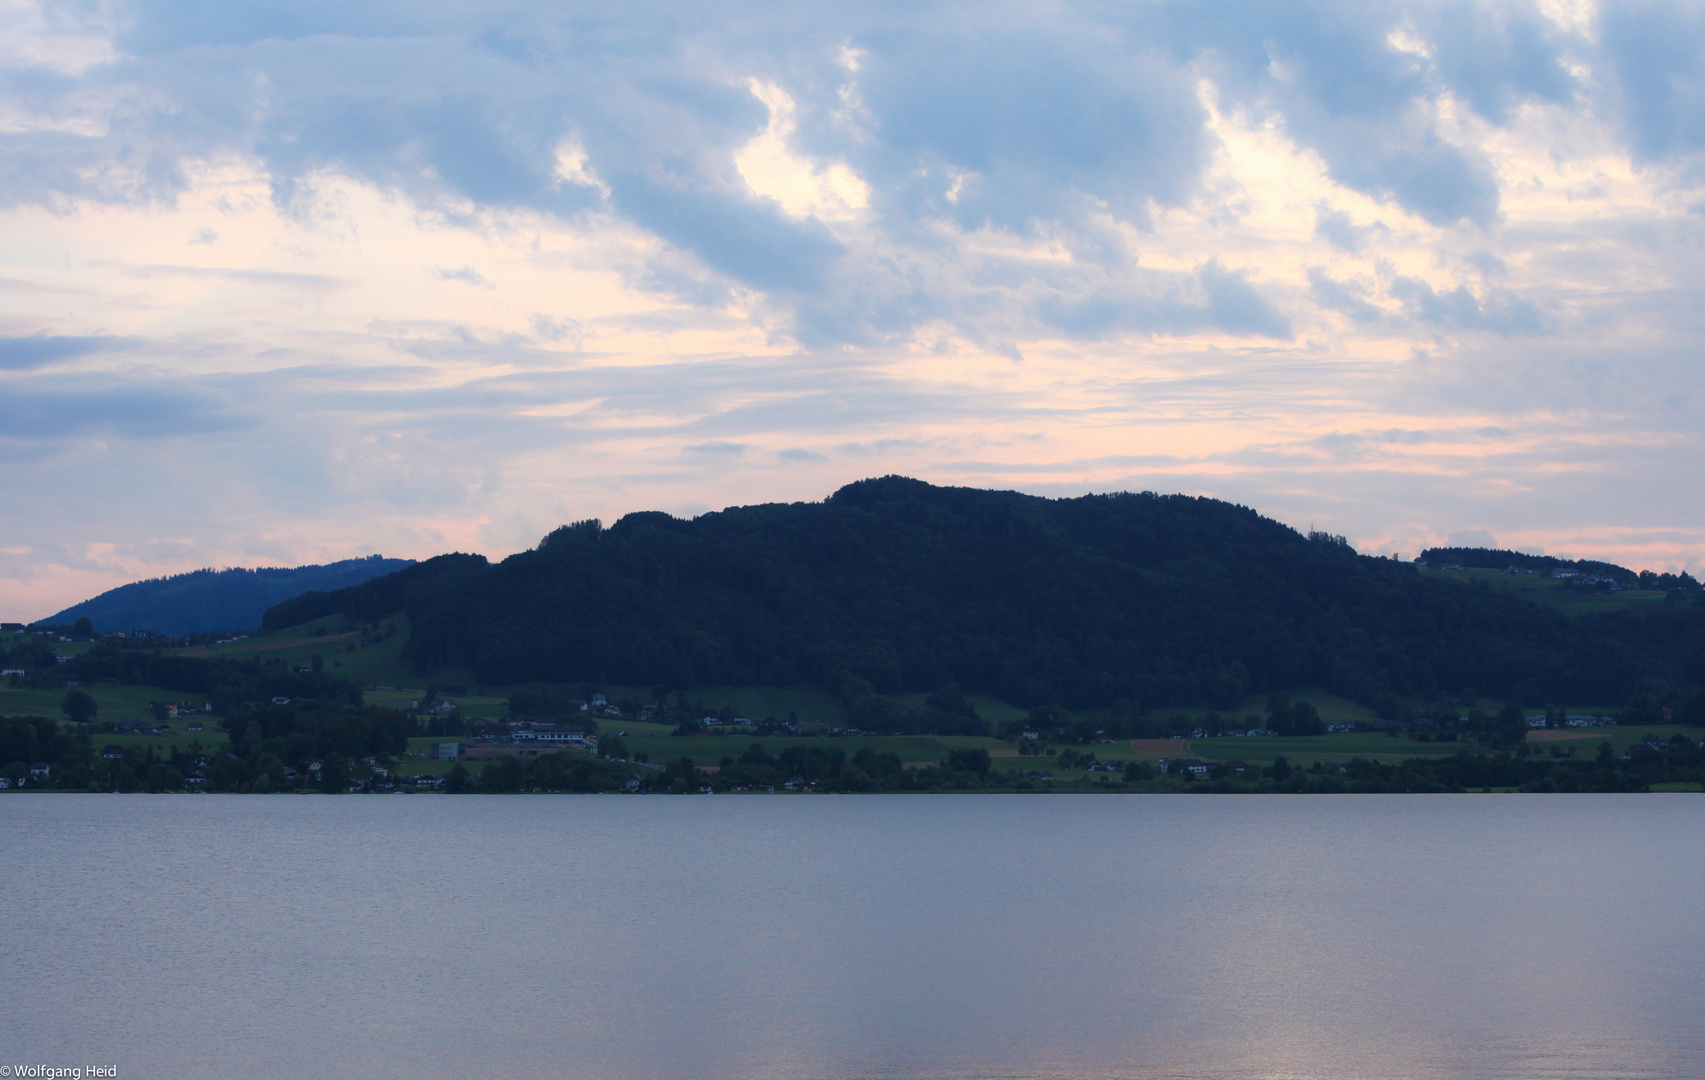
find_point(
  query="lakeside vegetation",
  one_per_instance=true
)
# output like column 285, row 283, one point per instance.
column 337, row 737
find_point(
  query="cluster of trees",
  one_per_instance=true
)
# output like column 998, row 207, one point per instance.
column 1679, row 586
column 1502, row 559
column 270, row 748
column 561, row 771
column 31, row 652
column 827, row 768
column 1679, row 761
column 947, row 711
column 1140, row 602
column 1669, row 706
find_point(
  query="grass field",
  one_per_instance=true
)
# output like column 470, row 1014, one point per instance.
column 113, row 702
column 348, row 650
column 1552, row 592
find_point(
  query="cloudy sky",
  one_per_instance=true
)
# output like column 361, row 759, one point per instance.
column 285, row 282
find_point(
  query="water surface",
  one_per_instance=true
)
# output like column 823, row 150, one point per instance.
column 1212, row 937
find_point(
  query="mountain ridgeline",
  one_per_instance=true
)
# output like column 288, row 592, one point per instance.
column 1136, row 601
column 209, row 600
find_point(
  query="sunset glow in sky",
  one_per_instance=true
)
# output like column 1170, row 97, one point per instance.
column 292, row 282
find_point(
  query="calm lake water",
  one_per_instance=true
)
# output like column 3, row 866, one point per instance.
column 1356, row 937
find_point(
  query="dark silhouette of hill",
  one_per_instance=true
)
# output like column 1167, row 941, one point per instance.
column 1135, row 600
column 208, row 600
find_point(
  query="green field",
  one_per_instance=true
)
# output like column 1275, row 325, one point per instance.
column 349, row 650
column 1552, row 592
column 114, row 702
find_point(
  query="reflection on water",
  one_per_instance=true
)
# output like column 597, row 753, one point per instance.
column 1355, row 937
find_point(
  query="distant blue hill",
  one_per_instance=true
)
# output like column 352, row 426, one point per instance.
column 207, row 600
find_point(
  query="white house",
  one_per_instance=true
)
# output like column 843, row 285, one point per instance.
column 559, row 734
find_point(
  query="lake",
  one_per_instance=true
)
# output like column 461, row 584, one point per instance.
column 956, row 936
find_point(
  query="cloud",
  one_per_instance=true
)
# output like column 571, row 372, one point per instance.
column 1473, row 538
column 1338, row 229
column 1374, row 265
column 1213, row 298
column 1237, row 307
column 1346, row 298
column 1657, row 51
column 63, row 407
column 1076, row 122
column 466, row 274
column 1499, row 311
column 733, row 449
column 40, row 350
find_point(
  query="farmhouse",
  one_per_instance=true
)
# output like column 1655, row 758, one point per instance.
column 559, row 734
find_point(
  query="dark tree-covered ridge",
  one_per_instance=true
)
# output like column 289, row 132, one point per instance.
column 1141, row 600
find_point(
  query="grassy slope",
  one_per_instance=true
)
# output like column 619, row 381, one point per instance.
column 1552, row 592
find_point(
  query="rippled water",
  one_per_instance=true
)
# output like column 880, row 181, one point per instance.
column 1347, row 937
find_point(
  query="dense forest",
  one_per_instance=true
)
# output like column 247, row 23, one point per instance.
column 208, row 600
column 1502, row 559
column 1137, row 601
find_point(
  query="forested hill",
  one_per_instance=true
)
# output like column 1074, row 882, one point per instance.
column 206, row 600
column 1141, row 601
